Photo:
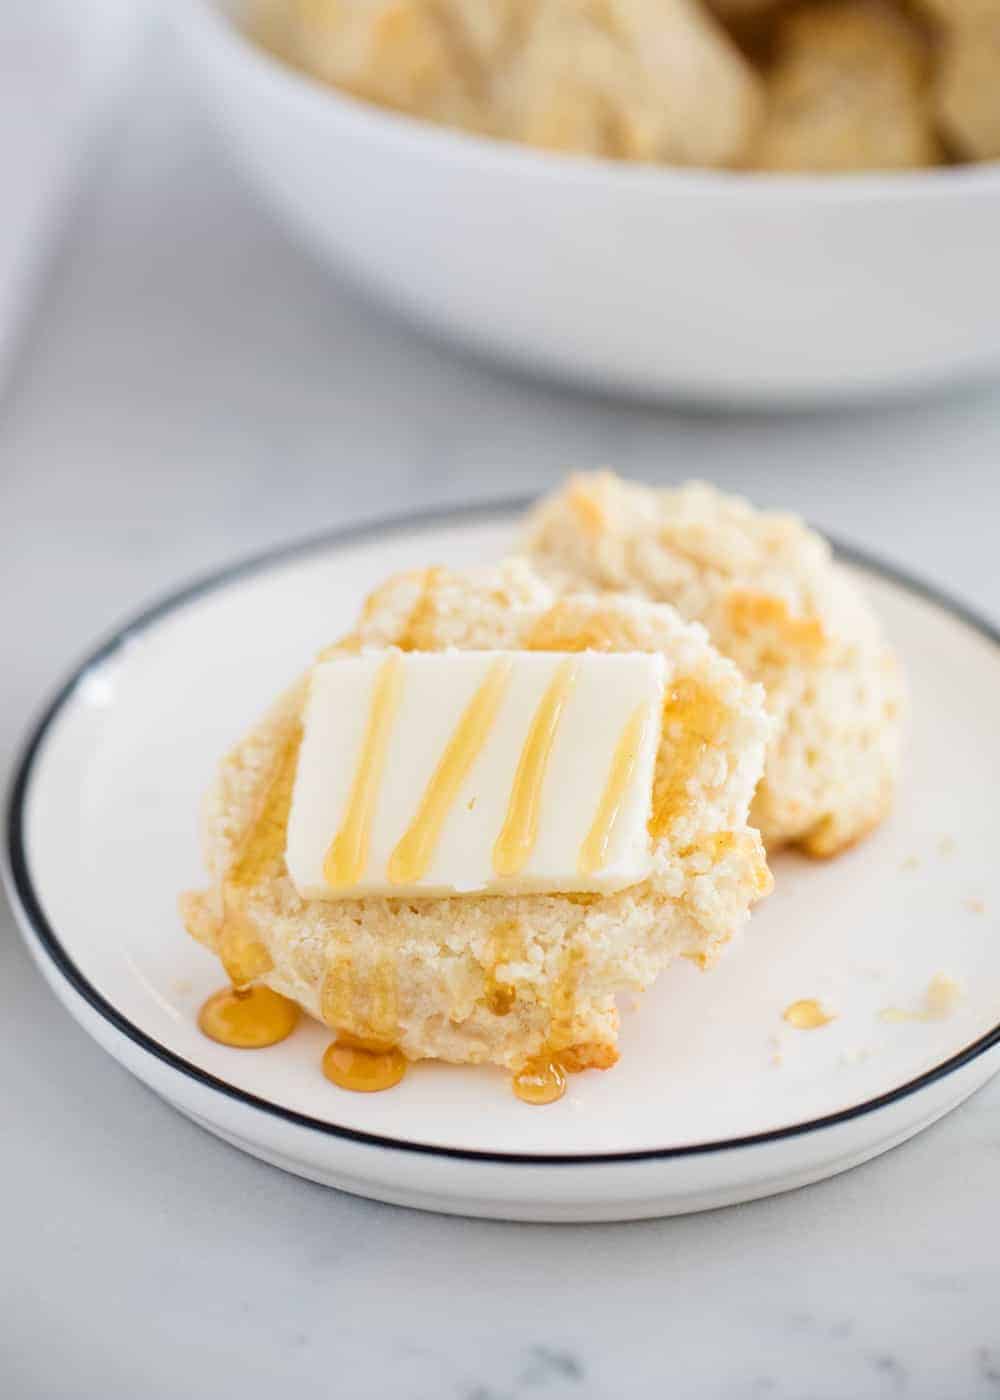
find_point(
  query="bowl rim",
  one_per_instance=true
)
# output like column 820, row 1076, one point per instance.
column 26, row 900
column 220, row 30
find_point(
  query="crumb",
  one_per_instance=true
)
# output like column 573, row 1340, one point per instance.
column 910, row 863
column 975, row 905
column 777, row 1048
column 946, row 846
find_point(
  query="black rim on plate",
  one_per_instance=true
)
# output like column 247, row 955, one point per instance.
column 22, row 887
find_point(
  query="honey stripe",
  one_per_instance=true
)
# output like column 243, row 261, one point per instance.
column 347, row 856
column 594, row 851
column 415, row 851
column 520, row 829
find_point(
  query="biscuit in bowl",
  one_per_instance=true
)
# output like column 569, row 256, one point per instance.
column 517, row 980
column 773, row 600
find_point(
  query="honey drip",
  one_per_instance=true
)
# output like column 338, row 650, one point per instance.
column 507, row 946
column 692, row 720
column 562, row 628
column 417, row 633
column 248, row 1020
column 594, row 851
column 807, row 1015
column 362, row 1009
column 348, row 854
column 336, row 995
column 352, row 1065
column 520, row 829
column 241, row 951
column 383, row 1014
column 541, row 1081
column 562, row 1028
column 415, row 850
column 364, row 1057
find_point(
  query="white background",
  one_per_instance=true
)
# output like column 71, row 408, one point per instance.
column 190, row 388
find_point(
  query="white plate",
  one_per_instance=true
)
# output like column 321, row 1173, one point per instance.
column 102, row 835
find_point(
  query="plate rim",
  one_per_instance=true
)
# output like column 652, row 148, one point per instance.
column 25, row 899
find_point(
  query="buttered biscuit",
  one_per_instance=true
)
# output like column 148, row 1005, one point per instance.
column 497, row 977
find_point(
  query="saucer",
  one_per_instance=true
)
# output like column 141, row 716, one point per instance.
column 716, row 1098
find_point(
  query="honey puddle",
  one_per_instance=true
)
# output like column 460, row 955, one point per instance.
column 363, row 1070
column 806, row 1015
column 542, row 1081
column 248, row 1020
column 255, row 1017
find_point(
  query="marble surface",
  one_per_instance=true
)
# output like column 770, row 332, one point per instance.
column 191, row 389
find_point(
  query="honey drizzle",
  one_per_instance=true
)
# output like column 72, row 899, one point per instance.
column 562, row 628
column 383, row 1014
column 507, row 946
column 415, row 849
column 417, row 633
column 692, row 720
column 370, row 1020
column 543, row 1079
column 248, row 1020
column 347, row 856
column 336, row 990
column 520, row 829
column 242, row 953
column 594, row 851
column 364, row 1057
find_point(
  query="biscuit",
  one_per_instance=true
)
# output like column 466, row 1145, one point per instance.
column 648, row 80
column 775, row 602
column 500, row 979
column 848, row 90
column 642, row 80
column 967, row 86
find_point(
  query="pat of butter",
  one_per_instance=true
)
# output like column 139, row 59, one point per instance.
column 436, row 773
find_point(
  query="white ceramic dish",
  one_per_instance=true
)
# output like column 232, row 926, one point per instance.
column 102, row 835
column 714, row 287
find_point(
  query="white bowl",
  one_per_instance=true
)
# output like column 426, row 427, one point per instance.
column 711, row 286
